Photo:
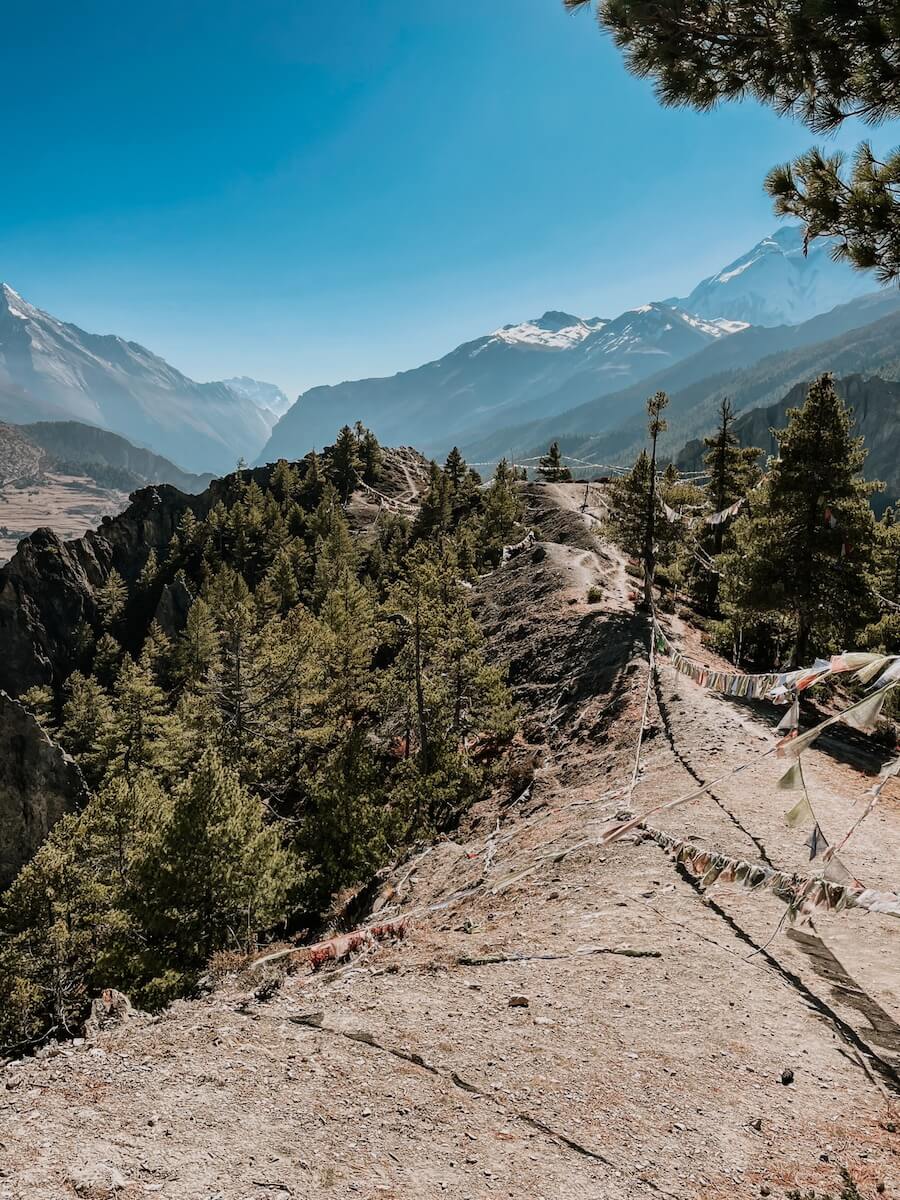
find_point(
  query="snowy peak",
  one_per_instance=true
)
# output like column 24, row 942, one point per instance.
column 52, row 369
column 267, row 397
column 777, row 283
column 553, row 331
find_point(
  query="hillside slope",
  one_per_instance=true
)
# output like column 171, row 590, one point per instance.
column 87, row 446
column 67, row 476
column 876, row 409
column 560, row 1020
column 700, row 379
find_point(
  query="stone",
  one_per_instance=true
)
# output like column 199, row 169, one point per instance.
column 39, row 783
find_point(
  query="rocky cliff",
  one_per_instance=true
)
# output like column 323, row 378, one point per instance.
column 47, row 588
column 39, row 783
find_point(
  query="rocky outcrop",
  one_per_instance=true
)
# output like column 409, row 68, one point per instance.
column 47, row 589
column 39, row 783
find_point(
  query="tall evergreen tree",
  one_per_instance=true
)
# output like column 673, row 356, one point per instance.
column 111, row 596
column 197, row 647
column 551, row 466
column 884, row 634
column 501, row 514
column 733, row 469
column 213, row 874
column 370, row 457
column 345, row 465
column 628, row 498
column 807, row 550
column 138, row 737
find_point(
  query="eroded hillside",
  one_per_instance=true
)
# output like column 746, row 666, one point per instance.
column 558, row 1020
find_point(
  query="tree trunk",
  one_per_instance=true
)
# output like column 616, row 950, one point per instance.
column 649, row 533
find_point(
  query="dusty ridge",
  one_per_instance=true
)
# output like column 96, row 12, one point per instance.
column 558, row 1021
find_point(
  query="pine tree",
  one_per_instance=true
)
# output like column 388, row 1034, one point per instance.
column 656, row 425
column 212, row 875
column 344, row 463
column 455, row 469
column 156, row 653
column 283, row 481
column 434, row 516
column 106, row 659
column 85, row 723
column 197, row 645
column 628, row 499
column 139, row 735
column 551, row 466
column 884, row 634
column 824, row 62
column 501, row 515
column 371, row 457
column 312, row 483
column 41, row 702
column 282, row 578
column 807, row 550
column 48, row 942
column 733, row 469
column 336, row 554
column 149, row 571
column 111, row 597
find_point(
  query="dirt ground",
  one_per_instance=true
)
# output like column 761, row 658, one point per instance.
column 561, row 1020
column 68, row 504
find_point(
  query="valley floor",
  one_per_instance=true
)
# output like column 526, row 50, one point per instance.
column 68, row 504
column 560, row 1021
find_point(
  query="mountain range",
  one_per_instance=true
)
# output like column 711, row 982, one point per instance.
column 754, row 367
column 516, row 373
column 523, row 383
column 52, row 370
column 583, row 379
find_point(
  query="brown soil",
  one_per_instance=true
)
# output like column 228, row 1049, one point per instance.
column 645, row 1052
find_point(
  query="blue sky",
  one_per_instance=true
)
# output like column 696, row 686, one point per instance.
column 309, row 192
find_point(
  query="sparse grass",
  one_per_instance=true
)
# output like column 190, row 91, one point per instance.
column 595, row 594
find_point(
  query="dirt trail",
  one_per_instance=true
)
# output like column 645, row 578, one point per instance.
column 649, row 1057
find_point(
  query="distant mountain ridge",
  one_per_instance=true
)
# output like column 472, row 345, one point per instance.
column 517, row 372
column 268, row 397
column 872, row 349
column 487, row 394
column 780, row 281
column 87, row 446
column 750, row 367
column 53, row 370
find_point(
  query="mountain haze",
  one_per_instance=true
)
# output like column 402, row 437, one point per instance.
column 614, row 424
column 873, row 349
column 778, row 282
column 876, row 411
column 52, row 370
column 533, row 369
column 561, row 372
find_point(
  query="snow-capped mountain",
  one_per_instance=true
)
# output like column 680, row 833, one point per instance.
column 268, row 397
column 518, row 372
column 50, row 369
column 775, row 283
